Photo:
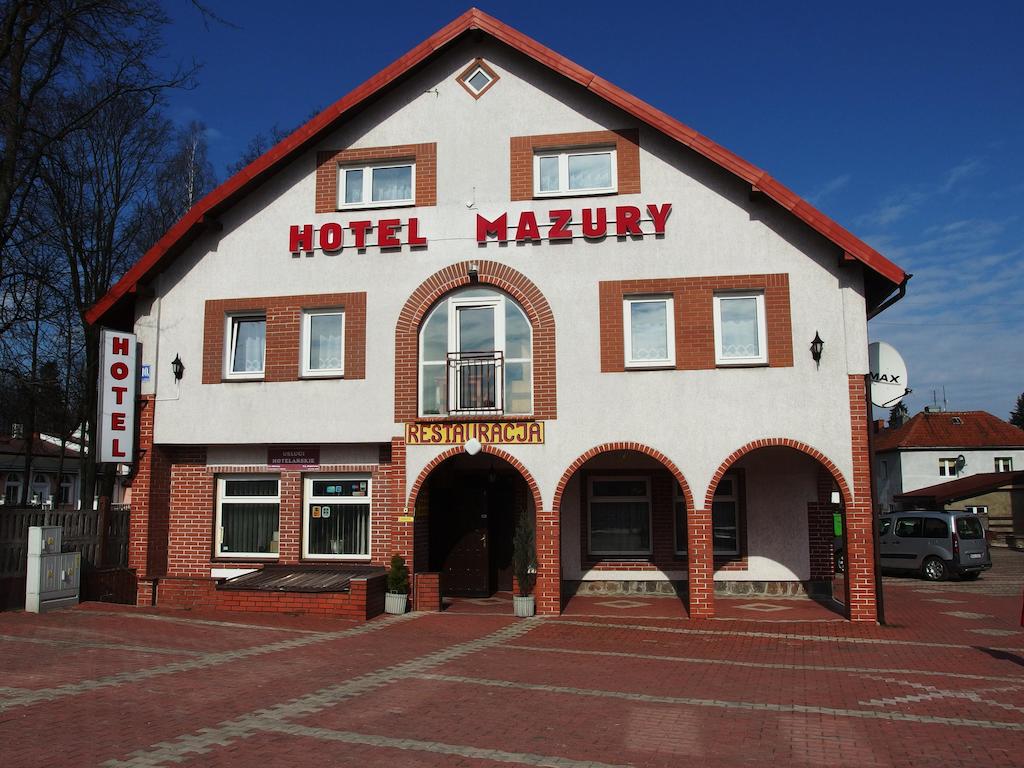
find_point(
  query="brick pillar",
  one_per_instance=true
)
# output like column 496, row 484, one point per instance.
column 149, row 516
column 820, row 530
column 548, row 589
column 860, row 553
column 289, row 528
column 700, row 564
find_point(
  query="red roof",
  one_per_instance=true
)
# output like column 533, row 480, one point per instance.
column 40, row 447
column 962, row 488
column 950, row 429
column 205, row 211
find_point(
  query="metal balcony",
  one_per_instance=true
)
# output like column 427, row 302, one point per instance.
column 475, row 382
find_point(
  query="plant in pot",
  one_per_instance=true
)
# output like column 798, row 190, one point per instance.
column 397, row 598
column 524, row 565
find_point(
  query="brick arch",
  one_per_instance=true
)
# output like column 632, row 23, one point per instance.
column 493, row 274
column 508, row 458
column 779, row 442
column 658, row 456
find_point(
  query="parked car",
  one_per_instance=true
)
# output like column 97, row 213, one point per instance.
column 935, row 544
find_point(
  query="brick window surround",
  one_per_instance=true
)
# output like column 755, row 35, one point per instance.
column 494, row 275
column 627, row 155
column 327, row 163
column 284, row 333
column 461, row 79
column 693, row 299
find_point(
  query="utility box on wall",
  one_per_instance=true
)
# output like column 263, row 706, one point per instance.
column 52, row 576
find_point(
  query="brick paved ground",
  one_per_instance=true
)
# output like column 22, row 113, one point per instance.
column 609, row 683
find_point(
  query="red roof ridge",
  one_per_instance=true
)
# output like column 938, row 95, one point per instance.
column 936, row 429
column 182, row 233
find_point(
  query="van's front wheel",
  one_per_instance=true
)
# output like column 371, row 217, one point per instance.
column 934, row 569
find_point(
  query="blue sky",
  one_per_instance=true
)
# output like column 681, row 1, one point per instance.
column 903, row 121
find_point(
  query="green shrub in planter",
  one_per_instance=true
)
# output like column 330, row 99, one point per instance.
column 524, row 563
column 398, row 576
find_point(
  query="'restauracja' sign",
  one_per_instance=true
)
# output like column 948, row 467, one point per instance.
column 527, row 226
column 487, row 432
column 115, row 426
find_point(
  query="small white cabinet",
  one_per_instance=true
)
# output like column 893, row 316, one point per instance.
column 52, row 577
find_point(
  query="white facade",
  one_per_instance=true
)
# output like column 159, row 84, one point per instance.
column 898, row 472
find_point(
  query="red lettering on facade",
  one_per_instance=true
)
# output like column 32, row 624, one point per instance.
column 414, row 233
column 560, row 227
column 527, row 229
column 627, row 220
column 386, row 233
column 498, row 228
column 592, row 227
column 119, row 345
column 332, row 237
column 659, row 215
column 300, row 238
column 359, row 230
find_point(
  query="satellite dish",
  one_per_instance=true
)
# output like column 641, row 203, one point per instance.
column 888, row 375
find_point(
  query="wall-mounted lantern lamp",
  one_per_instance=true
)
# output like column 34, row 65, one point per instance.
column 473, row 272
column 178, row 368
column 816, row 348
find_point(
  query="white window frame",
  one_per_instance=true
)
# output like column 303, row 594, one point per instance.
column 68, row 484
column 451, row 305
column 650, row 514
column 14, row 480
column 219, row 523
column 1005, row 461
column 307, row 324
column 947, row 467
column 231, row 334
column 762, row 329
column 308, row 498
column 563, row 156
column 367, row 191
column 467, row 80
column 734, row 497
column 627, row 329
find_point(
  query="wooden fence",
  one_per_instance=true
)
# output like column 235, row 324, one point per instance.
column 81, row 534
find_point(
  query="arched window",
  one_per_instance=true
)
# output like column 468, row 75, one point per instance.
column 476, row 356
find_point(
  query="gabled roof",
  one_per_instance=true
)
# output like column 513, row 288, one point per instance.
column 883, row 275
column 962, row 488
column 976, row 429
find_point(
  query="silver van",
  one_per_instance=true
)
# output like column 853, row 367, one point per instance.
column 935, row 544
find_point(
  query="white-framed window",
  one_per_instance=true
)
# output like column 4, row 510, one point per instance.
column 1004, row 464
column 977, row 509
column 725, row 517
column 574, row 172
column 478, row 79
column 377, row 185
column 336, row 517
column 248, row 516
column 247, row 347
column 476, row 355
column 67, row 489
column 12, row 489
column 323, row 342
column 740, row 335
column 947, row 467
column 649, row 331
column 619, row 515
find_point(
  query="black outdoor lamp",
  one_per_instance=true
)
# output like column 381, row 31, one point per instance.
column 816, row 348
column 178, row 368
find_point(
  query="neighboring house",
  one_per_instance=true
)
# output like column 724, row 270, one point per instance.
column 938, row 446
column 46, row 487
column 997, row 495
column 485, row 284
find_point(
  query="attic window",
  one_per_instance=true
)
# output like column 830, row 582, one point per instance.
column 478, row 78
column 957, row 420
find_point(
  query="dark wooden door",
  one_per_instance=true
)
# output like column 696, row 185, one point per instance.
column 466, row 569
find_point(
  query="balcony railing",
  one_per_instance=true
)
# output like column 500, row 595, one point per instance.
column 475, row 382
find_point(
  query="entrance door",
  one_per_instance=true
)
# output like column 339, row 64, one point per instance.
column 465, row 570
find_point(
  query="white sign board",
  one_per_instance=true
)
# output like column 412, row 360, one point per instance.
column 888, row 375
column 115, row 426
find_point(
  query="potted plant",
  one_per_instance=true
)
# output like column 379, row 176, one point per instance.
column 524, row 565
column 397, row 598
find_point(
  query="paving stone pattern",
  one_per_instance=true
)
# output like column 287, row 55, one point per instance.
column 122, row 687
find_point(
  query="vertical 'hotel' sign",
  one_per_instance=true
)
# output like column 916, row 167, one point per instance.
column 116, row 425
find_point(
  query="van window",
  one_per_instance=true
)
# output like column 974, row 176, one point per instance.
column 909, row 527
column 934, row 528
column 884, row 525
column 969, row 528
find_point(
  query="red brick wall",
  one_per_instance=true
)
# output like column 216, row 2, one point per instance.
column 858, row 536
column 626, row 142
column 693, row 304
column 820, row 529
column 284, row 332
column 503, row 278
column 425, row 156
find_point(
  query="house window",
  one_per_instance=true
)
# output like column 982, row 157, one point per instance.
column 476, row 356
column 947, row 467
column 337, row 517
column 740, row 336
column 248, row 509
column 619, row 516
column 12, row 490
column 377, row 185
column 724, row 518
column 477, row 78
column 574, row 172
column 248, row 334
column 1004, row 464
column 323, row 342
column 67, row 486
column 649, row 332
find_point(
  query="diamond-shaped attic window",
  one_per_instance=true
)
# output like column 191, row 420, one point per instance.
column 477, row 78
